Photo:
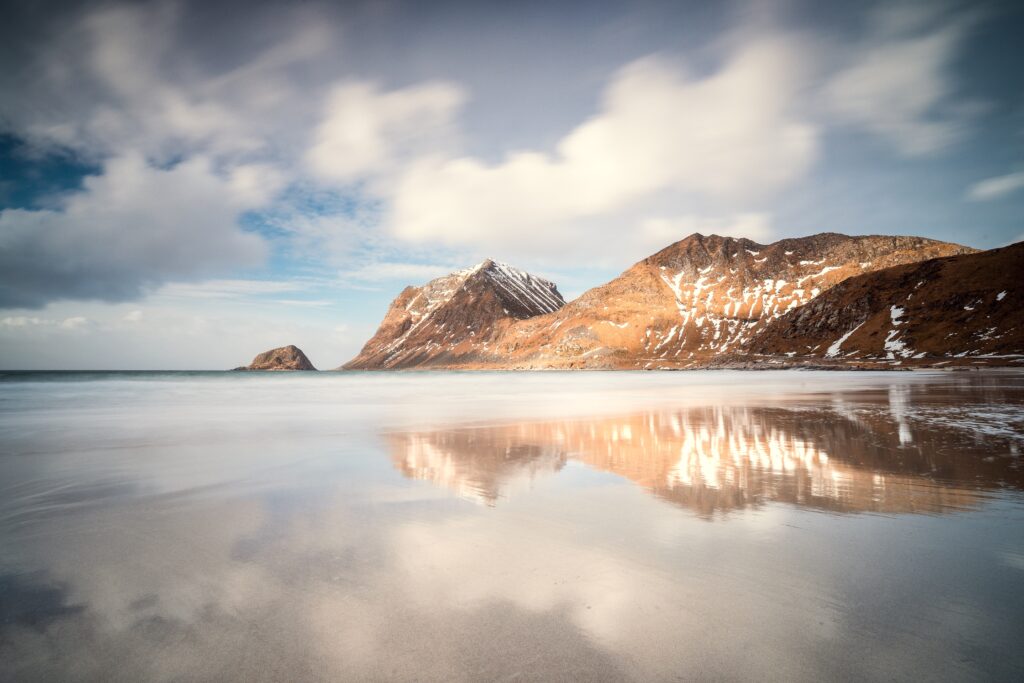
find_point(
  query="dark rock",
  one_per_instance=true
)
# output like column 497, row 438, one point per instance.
column 281, row 359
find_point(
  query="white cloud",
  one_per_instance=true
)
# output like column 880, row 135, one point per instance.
column 124, row 76
column 671, row 148
column 898, row 85
column 71, row 323
column 228, row 289
column 255, row 184
column 380, row 271
column 994, row 188
column 188, row 135
column 364, row 130
column 732, row 135
column 23, row 321
column 327, row 237
column 130, row 228
column 178, row 333
column 74, row 322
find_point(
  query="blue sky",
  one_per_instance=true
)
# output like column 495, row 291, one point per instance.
column 183, row 186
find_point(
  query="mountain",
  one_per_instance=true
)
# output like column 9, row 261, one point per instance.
column 967, row 305
column 698, row 300
column 702, row 298
column 283, row 358
column 453, row 319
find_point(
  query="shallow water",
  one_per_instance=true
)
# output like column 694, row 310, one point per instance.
column 480, row 526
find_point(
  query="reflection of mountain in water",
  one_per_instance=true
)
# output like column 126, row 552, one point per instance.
column 476, row 463
column 717, row 459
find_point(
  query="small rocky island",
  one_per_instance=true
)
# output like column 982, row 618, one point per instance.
column 285, row 358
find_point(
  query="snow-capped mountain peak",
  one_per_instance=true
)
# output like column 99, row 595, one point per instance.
column 455, row 313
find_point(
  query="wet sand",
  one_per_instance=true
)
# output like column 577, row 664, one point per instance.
column 482, row 526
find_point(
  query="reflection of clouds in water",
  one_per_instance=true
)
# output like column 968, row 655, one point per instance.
column 221, row 558
column 584, row 582
column 32, row 601
column 627, row 595
column 173, row 551
column 156, row 589
column 321, row 591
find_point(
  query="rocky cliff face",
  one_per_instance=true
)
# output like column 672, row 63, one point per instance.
column 962, row 306
column 454, row 319
column 283, row 358
column 699, row 299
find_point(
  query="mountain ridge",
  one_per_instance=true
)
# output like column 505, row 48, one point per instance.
column 698, row 302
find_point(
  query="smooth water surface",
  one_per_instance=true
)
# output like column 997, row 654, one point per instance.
column 492, row 526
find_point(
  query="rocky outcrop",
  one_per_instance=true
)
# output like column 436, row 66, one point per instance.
column 283, row 358
column 455, row 318
column 692, row 303
column 970, row 305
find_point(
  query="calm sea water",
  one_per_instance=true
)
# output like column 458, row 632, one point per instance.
column 491, row 526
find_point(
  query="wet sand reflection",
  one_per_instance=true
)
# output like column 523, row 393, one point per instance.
column 716, row 459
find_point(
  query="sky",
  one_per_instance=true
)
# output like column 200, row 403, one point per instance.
column 186, row 184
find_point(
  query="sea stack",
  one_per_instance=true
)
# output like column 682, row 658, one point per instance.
column 284, row 358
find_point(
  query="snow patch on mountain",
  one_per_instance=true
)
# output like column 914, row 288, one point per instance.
column 833, row 350
column 529, row 290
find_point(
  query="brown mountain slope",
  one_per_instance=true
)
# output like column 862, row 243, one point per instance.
column 966, row 305
column 283, row 358
column 700, row 298
column 449, row 318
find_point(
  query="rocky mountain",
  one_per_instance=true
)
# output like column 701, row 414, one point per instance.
column 696, row 301
column 968, row 305
column 283, row 358
column 457, row 317
column 702, row 298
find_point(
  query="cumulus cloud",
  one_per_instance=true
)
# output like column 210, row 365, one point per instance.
column 731, row 135
column 124, row 76
column 898, row 85
column 215, row 124
column 129, row 229
column 994, row 188
column 189, row 132
column 365, row 130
